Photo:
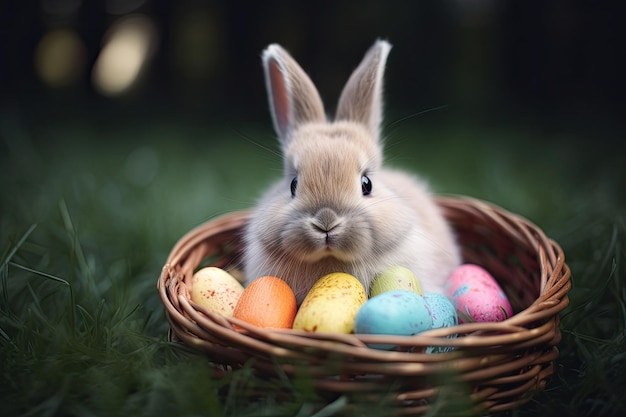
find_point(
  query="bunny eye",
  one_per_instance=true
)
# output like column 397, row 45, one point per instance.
column 294, row 185
column 366, row 185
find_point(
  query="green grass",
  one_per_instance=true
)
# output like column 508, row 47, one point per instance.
column 88, row 216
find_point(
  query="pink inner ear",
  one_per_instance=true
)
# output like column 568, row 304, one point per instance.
column 280, row 97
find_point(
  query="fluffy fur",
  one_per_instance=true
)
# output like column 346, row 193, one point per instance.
column 329, row 224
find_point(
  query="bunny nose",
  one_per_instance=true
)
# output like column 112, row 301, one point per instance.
column 325, row 220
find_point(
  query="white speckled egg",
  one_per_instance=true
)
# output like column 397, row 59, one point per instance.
column 476, row 295
column 216, row 290
column 397, row 312
column 443, row 314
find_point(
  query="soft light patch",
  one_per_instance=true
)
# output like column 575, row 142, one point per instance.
column 60, row 58
column 128, row 46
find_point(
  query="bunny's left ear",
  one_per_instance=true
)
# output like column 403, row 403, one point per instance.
column 361, row 99
column 293, row 98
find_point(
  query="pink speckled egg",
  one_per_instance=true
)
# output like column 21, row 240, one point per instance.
column 476, row 295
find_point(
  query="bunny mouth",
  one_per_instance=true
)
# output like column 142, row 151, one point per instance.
column 318, row 248
column 323, row 236
column 329, row 246
column 330, row 242
column 327, row 252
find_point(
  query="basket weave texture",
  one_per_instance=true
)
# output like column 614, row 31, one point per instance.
column 503, row 363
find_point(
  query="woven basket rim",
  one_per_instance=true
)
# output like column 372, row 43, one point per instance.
column 551, row 299
column 482, row 352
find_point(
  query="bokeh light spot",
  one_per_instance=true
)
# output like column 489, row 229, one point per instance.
column 60, row 58
column 141, row 166
column 195, row 36
column 128, row 46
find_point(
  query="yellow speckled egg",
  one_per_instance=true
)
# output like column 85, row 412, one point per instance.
column 331, row 304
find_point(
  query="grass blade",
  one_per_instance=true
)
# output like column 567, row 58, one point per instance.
column 40, row 273
column 17, row 246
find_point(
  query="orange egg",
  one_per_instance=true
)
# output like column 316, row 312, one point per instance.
column 267, row 302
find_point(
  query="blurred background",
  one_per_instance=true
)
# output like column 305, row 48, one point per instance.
column 553, row 64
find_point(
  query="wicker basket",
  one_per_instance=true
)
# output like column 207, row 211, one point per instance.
column 503, row 363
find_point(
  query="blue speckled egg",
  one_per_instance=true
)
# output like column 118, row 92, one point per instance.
column 441, row 310
column 443, row 314
column 397, row 312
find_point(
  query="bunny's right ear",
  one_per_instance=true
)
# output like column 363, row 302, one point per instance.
column 361, row 98
column 293, row 98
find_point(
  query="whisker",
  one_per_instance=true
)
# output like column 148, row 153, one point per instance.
column 266, row 148
column 414, row 115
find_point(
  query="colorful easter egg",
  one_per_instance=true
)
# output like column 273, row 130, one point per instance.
column 397, row 312
column 331, row 304
column 444, row 315
column 476, row 295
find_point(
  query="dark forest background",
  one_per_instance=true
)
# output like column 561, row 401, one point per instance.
column 548, row 64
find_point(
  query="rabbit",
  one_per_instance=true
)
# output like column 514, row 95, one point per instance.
column 336, row 208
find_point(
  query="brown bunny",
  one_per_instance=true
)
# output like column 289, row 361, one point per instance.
column 337, row 209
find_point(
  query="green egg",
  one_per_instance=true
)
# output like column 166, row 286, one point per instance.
column 395, row 278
